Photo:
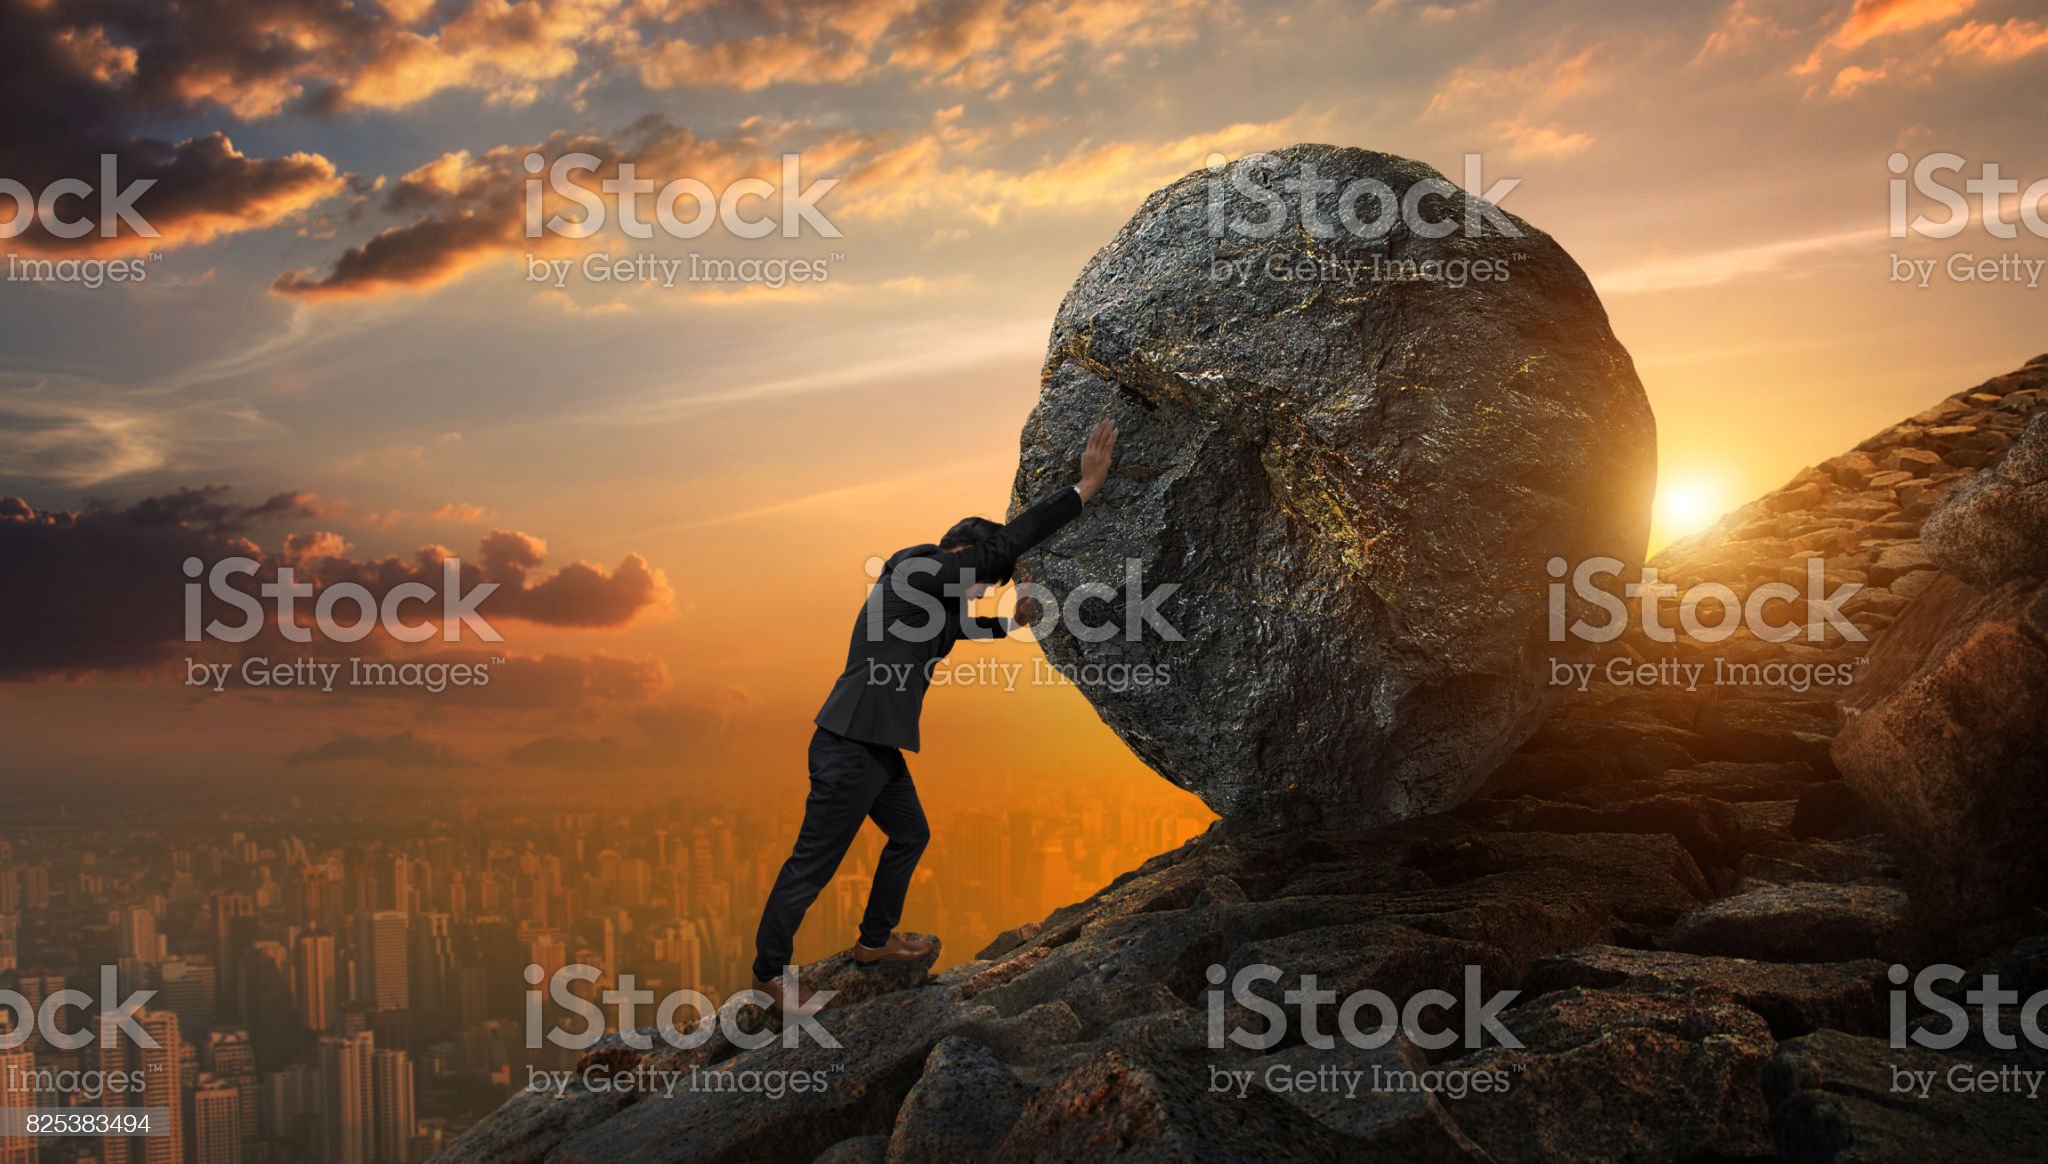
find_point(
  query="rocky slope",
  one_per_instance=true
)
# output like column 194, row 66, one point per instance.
column 1697, row 911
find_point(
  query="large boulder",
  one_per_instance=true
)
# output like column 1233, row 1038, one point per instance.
column 1944, row 740
column 1354, row 454
column 1994, row 527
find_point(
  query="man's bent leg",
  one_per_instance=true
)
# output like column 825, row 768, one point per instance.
column 899, row 815
column 844, row 775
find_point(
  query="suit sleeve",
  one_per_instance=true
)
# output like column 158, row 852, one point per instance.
column 997, row 557
column 989, row 627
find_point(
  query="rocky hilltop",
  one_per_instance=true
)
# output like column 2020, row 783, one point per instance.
column 1697, row 909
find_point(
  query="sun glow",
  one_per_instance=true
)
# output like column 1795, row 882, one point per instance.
column 1684, row 506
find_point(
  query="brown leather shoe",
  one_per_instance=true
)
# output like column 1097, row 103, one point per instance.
column 899, row 948
column 783, row 1003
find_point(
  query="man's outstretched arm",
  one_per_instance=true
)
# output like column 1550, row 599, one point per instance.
column 1042, row 520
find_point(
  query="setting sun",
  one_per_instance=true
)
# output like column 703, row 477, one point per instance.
column 1684, row 506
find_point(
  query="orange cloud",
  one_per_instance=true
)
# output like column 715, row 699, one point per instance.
column 1996, row 43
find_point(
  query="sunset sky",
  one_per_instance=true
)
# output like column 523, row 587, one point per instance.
column 338, row 326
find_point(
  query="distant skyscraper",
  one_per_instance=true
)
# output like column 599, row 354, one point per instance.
column 162, row 1086
column 313, row 980
column 396, row 892
column 432, row 962
column 16, row 1064
column 136, row 941
column 232, row 1059
column 266, row 1005
column 291, row 1107
column 187, row 987
column 216, row 1122
column 347, row 1103
column 381, row 956
column 392, row 1083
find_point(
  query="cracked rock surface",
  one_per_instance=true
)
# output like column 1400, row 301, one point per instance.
column 1352, row 457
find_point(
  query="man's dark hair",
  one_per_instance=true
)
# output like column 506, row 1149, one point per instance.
column 969, row 531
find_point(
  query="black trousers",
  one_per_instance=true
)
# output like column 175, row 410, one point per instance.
column 850, row 781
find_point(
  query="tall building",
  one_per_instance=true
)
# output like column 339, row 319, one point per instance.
column 291, row 1109
column 392, row 1083
column 137, row 942
column 347, row 1102
column 162, row 1068
column 266, row 1004
column 313, row 977
column 216, row 1122
column 383, row 982
column 232, row 1059
column 431, row 964
column 10, row 941
column 233, row 920
column 111, row 1051
column 16, row 1147
column 187, row 990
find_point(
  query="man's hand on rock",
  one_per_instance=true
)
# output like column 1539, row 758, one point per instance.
column 1095, row 458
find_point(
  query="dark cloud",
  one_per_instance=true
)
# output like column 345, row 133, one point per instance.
column 74, row 91
column 105, row 587
column 465, row 210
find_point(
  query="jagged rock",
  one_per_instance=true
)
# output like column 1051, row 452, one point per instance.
column 856, row 1150
column 1384, row 1101
column 1798, row 923
column 1833, row 1101
column 1792, row 997
column 1127, row 1107
column 1707, row 828
column 1355, row 486
column 730, row 1113
column 1993, row 528
column 962, row 1106
column 1945, row 742
column 1614, row 1077
column 1864, row 861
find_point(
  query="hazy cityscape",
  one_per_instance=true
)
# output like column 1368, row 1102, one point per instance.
column 353, row 991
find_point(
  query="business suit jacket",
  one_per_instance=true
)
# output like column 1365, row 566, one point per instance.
column 913, row 616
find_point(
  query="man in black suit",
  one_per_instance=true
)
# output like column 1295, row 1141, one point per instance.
column 914, row 614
